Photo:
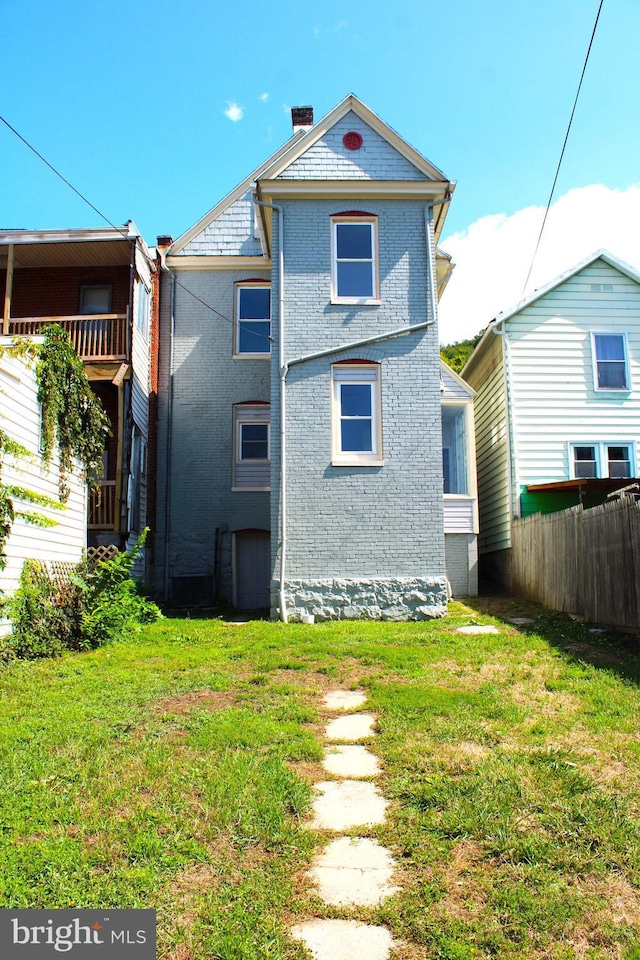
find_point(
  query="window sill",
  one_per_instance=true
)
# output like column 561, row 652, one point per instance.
column 357, row 462
column 251, row 356
column 250, row 489
column 357, row 301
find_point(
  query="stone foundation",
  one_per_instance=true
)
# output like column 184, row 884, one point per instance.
column 383, row 598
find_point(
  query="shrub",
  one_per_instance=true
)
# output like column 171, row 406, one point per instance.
column 92, row 607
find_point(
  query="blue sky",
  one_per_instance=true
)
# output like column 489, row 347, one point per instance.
column 128, row 100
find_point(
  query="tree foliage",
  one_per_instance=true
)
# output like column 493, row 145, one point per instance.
column 457, row 354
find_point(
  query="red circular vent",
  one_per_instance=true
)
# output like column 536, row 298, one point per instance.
column 352, row 140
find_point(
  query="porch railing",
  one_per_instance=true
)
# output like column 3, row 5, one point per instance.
column 95, row 337
column 102, row 506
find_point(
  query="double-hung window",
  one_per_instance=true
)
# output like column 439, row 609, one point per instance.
column 253, row 320
column 354, row 268
column 251, row 445
column 357, row 428
column 602, row 459
column 610, row 361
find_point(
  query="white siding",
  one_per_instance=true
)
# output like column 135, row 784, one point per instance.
column 20, row 419
column 459, row 514
column 486, row 376
column 554, row 397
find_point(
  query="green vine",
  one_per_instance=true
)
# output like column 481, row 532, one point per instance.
column 72, row 418
column 72, row 415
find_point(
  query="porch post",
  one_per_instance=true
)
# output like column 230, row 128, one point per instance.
column 8, row 291
column 117, row 523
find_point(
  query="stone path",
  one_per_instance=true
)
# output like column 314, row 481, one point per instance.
column 350, row 871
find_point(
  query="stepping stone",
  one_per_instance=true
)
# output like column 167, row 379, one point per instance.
column 354, row 872
column 521, row 621
column 344, row 699
column 345, row 804
column 488, row 628
column 344, row 940
column 350, row 760
column 357, row 726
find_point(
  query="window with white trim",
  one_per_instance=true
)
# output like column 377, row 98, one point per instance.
column 252, row 446
column 357, row 414
column 602, row 459
column 610, row 361
column 354, row 259
column 253, row 320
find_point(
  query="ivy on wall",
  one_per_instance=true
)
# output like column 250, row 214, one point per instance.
column 72, row 419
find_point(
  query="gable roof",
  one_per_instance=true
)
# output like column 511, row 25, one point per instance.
column 447, row 371
column 230, row 198
column 505, row 315
column 351, row 103
column 601, row 254
column 277, row 163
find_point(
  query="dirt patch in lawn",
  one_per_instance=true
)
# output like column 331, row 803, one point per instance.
column 184, row 703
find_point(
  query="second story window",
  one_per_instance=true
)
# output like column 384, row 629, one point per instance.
column 354, row 259
column 611, row 368
column 253, row 320
column 95, row 298
column 142, row 312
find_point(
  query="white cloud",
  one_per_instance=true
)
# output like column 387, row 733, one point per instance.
column 316, row 32
column 264, row 97
column 493, row 255
column 340, row 25
column 234, row 111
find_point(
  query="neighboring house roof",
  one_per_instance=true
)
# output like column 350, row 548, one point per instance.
column 505, row 315
column 297, row 145
column 73, row 247
column 449, row 372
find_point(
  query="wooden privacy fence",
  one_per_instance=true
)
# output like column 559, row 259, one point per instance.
column 584, row 562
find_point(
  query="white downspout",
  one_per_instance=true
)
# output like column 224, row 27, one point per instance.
column 282, row 373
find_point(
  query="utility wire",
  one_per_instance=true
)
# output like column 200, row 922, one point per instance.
column 566, row 137
column 120, row 230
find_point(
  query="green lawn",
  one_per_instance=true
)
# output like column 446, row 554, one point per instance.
column 174, row 772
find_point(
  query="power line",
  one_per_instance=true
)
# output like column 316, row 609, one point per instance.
column 119, row 229
column 566, row 137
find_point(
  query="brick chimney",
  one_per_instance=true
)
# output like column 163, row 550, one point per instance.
column 301, row 118
column 164, row 240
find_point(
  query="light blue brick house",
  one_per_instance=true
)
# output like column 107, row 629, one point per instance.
column 301, row 396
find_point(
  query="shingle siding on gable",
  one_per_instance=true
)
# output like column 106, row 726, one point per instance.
column 329, row 159
column 231, row 234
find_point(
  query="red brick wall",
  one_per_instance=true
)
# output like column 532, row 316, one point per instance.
column 55, row 291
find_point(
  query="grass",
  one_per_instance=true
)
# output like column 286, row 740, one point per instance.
column 175, row 772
